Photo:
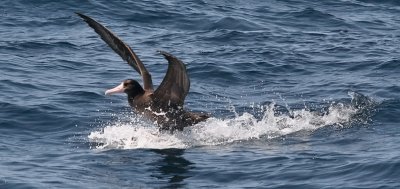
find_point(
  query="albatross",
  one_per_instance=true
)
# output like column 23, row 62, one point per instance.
column 164, row 105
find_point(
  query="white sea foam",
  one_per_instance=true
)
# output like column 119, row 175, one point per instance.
column 216, row 131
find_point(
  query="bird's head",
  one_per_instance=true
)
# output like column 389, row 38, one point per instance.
column 129, row 86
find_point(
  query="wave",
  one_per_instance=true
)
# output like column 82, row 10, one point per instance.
column 310, row 17
column 391, row 65
column 32, row 120
column 312, row 13
column 33, row 45
column 231, row 23
column 388, row 2
column 134, row 133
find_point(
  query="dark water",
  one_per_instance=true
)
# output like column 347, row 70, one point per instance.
column 304, row 94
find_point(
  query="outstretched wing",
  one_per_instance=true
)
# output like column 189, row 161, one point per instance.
column 175, row 85
column 122, row 49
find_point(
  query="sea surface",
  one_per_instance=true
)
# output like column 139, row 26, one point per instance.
column 303, row 94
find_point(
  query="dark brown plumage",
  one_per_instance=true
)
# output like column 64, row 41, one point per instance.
column 164, row 105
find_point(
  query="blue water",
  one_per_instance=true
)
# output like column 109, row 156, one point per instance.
column 303, row 94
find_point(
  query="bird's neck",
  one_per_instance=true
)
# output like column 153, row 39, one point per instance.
column 132, row 97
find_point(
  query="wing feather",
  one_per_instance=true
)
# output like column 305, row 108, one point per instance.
column 121, row 49
column 175, row 85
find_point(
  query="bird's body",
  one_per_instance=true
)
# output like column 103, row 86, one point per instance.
column 168, row 117
column 163, row 105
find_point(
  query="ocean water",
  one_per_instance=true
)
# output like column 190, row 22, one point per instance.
column 303, row 94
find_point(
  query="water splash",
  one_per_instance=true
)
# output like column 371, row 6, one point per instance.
column 136, row 133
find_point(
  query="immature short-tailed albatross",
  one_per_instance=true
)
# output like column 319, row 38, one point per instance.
column 165, row 104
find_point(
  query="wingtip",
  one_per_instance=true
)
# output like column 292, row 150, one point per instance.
column 170, row 57
column 161, row 52
column 79, row 14
column 165, row 54
column 82, row 16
